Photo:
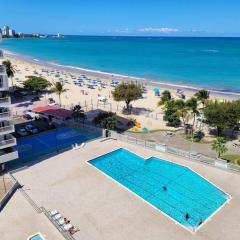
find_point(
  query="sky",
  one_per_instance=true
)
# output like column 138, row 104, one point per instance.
column 124, row 17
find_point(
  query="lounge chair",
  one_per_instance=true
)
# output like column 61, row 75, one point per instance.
column 68, row 226
column 61, row 221
column 57, row 216
column 54, row 212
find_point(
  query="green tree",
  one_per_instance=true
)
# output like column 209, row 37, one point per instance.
column 127, row 92
column 170, row 113
column 182, row 110
column 165, row 97
column 78, row 113
column 36, row 83
column 216, row 115
column 58, row 88
column 202, row 96
column 219, row 145
column 192, row 105
column 10, row 69
column 109, row 123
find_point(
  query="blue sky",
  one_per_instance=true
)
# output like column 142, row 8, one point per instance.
column 124, row 17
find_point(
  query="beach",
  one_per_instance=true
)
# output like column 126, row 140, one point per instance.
column 147, row 111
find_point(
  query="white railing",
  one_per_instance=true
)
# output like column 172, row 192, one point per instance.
column 10, row 141
column 2, row 69
column 5, row 114
column 8, row 156
column 161, row 147
column 5, row 100
column 8, row 128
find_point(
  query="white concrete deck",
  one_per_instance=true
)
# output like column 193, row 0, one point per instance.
column 103, row 209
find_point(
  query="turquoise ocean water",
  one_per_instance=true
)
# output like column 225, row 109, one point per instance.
column 201, row 62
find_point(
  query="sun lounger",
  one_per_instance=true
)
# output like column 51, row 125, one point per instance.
column 67, row 226
column 54, row 212
column 61, row 221
column 57, row 216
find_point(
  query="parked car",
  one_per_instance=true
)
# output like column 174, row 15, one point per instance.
column 31, row 129
column 27, row 117
column 51, row 100
column 22, row 132
column 31, row 113
column 35, row 99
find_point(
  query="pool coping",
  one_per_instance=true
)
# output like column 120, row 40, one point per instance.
column 192, row 231
column 35, row 234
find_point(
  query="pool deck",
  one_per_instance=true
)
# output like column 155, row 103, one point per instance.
column 103, row 209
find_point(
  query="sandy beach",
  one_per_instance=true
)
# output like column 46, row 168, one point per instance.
column 147, row 111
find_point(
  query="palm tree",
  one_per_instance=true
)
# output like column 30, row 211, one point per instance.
column 58, row 88
column 78, row 113
column 9, row 69
column 202, row 96
column 193, row 107
column 219, row 146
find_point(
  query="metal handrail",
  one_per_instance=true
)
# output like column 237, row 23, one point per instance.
column 39, row 210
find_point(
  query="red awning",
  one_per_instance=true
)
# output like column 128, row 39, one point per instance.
column 53, row 111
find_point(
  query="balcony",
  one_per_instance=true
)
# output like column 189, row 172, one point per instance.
column 5, row 115
column 3, row 82
column 2, row 69
column 7, row 141
column 6, row 128
column 5, row 101
column 8, row 154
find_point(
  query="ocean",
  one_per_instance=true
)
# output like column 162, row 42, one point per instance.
column 213, row 63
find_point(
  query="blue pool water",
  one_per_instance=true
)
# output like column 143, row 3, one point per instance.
column 47, row 142
column 187, row 192
column 36, row 237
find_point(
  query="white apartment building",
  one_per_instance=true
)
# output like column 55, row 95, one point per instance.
column 7, row 140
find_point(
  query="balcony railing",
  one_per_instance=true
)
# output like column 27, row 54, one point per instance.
column 5, row 100
column 5, row 114
column 1, row 54
column 8, row 155
column 9, row 141
column 8, row 128
column 3, row 82
column 2, row 69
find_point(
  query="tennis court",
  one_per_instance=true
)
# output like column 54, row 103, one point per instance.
column 43, row 143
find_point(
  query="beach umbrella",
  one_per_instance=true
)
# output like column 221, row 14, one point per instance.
column 156, row 89
column 57, row 75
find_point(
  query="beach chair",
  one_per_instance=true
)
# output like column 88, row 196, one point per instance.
column 57, row 216
column 68, row 226
column 61, row 221
column 54, row 212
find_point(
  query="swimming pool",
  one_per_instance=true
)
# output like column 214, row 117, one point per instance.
column 173, row 189
column 37, row 236
column 46, row 142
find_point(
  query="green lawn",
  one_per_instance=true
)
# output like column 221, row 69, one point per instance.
column 235, row 159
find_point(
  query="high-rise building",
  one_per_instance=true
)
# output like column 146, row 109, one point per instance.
column 7, row 140
column 11, row 33
column 5, row 31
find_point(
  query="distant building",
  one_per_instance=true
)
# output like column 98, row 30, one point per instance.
column 5, row 31
column 12, row 33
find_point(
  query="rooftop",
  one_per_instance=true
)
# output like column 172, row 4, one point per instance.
column 53, row 111
column 103, row 209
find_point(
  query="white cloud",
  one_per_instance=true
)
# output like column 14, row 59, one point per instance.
column 158, row 30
